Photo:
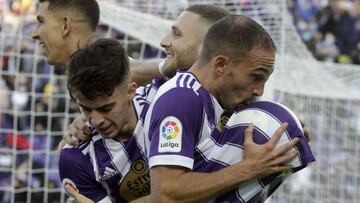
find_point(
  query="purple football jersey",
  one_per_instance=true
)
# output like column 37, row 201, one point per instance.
column 180, row 129
column 109, row 169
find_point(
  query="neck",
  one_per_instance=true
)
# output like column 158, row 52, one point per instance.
column 203, row 74
column 129, row 127
column 78, row 41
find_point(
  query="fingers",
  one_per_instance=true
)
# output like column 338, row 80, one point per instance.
column 283, row 159
column 249, row 134
column 78, row 131
column 71, row 190
column 285, row 147
column 306, row 130
column 81, row 123
column 69, row 139
column 61, row 145
column 302, row 123
column 307, row 133
column 75, row 194
column 277, row 134
column 79, row 128
column 279, row 168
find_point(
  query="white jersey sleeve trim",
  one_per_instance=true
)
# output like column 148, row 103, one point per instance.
column 173, row 160
column 105, row 200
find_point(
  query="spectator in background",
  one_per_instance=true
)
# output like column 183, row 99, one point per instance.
column 344, row 29
column 331, row 30
column 326, row 49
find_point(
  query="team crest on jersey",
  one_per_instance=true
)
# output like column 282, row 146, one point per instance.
column 170, row 135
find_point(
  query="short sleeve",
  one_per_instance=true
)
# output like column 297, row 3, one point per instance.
column 175, row 125
column 77, row 167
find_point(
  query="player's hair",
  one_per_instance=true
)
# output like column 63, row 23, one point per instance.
column 209, row 13
column 98, row 68
column 235, row 36
column 88, row 8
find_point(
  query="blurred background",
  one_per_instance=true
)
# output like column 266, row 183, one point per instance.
column 317, row 75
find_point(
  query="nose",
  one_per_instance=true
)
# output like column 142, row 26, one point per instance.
column 96, row 119
column 258, row 90
column 166, row 42
column 35, row 33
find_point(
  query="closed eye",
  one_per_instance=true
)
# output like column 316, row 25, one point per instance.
column 258, row 77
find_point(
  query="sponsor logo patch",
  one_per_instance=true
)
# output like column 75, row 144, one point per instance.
column 136, row 182
column 170, row 135
column 109, row 173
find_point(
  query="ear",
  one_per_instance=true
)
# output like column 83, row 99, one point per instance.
column 132, row 89
column 220, row 63
column 66, row 27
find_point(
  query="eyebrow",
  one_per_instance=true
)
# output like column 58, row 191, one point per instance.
column 264, row 70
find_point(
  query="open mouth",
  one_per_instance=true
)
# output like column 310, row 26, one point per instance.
column 168, row 55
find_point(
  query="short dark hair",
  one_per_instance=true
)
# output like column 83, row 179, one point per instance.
column 235, row 36
column 88, row 8
column 209, row 13
column 98, row 68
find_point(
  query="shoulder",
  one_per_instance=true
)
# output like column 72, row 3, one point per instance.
column 182, row 81
column 183, row 89
column 74, row 158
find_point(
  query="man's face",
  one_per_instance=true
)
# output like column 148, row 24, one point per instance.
column 110, row 116
column 49, row 33
column 244, row 81
column 183, row 43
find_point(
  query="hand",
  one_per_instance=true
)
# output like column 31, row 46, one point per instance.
column 306, row 130
column 73, row 193
column 266, row 159
column 61, row 145
column 78, row 130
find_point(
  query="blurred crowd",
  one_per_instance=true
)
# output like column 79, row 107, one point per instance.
column 329, row 28
column 35, row 108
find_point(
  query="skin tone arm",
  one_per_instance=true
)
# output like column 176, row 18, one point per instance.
column 142, row 72
column 76, row 195
column 172, row 184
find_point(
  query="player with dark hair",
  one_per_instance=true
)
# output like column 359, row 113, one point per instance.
column 63, row 26
column 236, row 59
column 110, row 167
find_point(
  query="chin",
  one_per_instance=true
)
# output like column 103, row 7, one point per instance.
column 50, row 61
column 111, row 136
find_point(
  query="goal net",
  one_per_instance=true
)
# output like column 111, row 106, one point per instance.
column 35, row 108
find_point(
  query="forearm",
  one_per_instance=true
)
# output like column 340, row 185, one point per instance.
column 142, row 72
column 145, row 199
column 194, row 186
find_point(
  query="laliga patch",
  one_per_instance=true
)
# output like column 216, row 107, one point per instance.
column 170, row 134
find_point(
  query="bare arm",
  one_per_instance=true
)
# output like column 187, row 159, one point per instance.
column 142, row 72
column 144, row 199
column 169, row 183
column 76, row 195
